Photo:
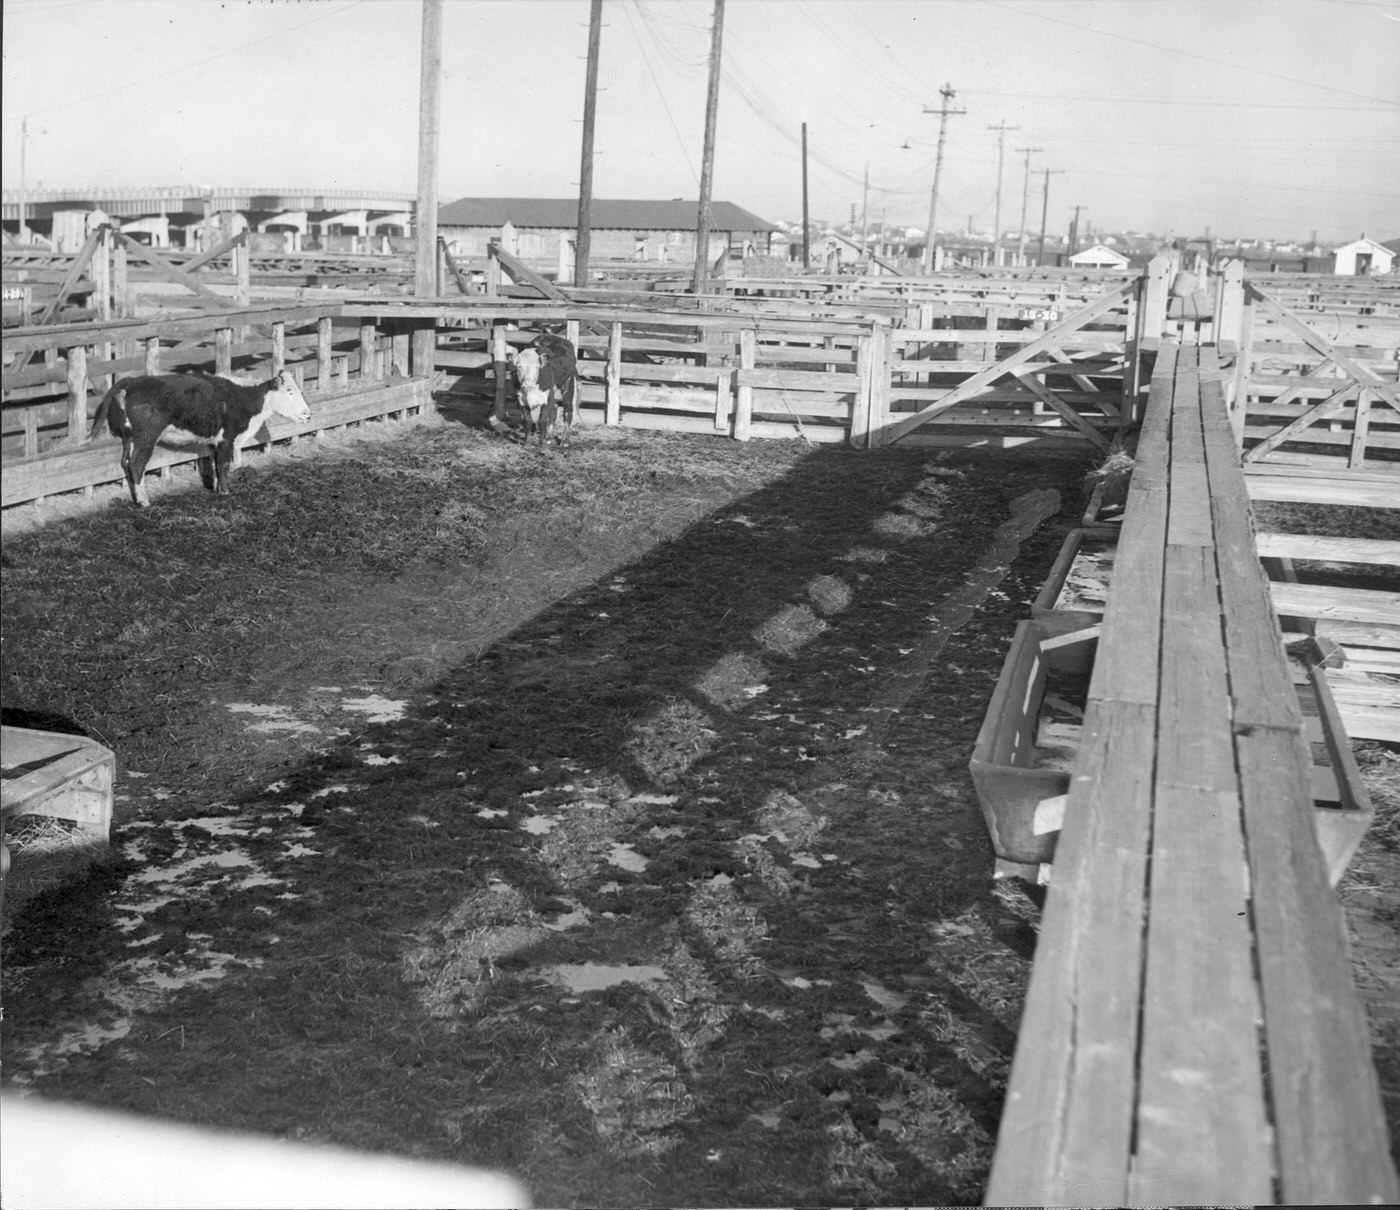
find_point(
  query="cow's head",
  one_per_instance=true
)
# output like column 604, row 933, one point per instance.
column 285, row 398
column 527, row 372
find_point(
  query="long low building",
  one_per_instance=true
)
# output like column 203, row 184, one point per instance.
column 625, row 229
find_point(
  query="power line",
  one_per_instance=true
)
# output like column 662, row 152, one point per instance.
column 657, row 83
column 1190, row 54
column 223, row 54
column 1229, row 104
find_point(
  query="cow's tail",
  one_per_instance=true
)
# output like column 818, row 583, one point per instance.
column 112, row 409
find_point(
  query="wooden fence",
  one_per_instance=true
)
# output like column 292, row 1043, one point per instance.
column 55, row 377
column 1051, row 364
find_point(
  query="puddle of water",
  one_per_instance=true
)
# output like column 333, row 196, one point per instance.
column 884, row 997
column 300, row 850
column 373, row 758
column 338, row 789
column 807, row 861
column 594, row 976
column 227, row 861
column 538, row 825
column 378, row 709
column 568, row 920
column 627, row 858
column 275, row 718
column 219, row 825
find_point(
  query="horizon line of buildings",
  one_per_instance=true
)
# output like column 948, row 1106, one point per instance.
column 652, row 230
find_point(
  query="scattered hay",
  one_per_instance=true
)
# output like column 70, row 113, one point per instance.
column 830, row 594
column 633, row 1095
column 671, row 741
column 789, row 630
column 732, row 681
column 46, row 852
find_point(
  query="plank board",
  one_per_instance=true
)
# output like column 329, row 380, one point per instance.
column 1335, row 604
column 1066, row 1129
column 1332, row 1141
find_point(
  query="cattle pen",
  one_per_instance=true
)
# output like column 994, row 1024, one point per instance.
column 1191, row 1031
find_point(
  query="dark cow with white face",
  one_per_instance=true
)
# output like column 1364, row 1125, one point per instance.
column 546, row 372
column 193, row 409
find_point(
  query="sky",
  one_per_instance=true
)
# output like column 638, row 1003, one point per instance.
column 1245, row 118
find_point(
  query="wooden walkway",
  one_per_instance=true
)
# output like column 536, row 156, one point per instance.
column 1191, row 1034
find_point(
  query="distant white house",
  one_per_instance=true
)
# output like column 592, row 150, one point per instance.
column 1364, row 258
column 1098, row 256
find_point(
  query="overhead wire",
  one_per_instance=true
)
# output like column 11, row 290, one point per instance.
column 143, row 80
column 665, row 104
column 1191, row 54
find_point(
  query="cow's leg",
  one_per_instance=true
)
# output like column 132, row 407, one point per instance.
column 570, row 401
column 135, row 455
column 223, row 458
column 206, row 471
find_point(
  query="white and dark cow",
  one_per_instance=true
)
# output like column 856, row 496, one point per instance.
column 193, row 409
column 546, row 372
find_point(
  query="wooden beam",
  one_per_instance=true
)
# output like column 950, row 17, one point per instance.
column 1046, row 340
column 1326, row 349
column 170, row 273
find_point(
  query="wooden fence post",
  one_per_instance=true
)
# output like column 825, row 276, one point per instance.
column 612, row 387
column 223, row 351
column 153, row 355
column 493, row 270
column 1238, row 400
column 1229, row 303
column 121, row 285
column 1130, row 396
column 369, row 366
column 324, row 369
column 279, row 347
column 1152, row 315
column 859, row 434
column 243, row 268
column 500, row 370
column 743, row 401
column 77, row 395
column 882, row 353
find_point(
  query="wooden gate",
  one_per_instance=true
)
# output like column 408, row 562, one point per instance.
column 1304, row 399
column 1068, row 377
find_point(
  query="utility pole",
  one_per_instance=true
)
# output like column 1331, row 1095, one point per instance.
column 425, row 256
column 707, row 168
column 1025, row 198
column 1074, row 232
column 806, row 224
column 1044, row 211
column 23, row 194
column 944, row 113
column 584, row 243
column 1001, row 128
column 865, row 206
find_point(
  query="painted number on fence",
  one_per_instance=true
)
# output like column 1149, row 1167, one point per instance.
column 1048, row 314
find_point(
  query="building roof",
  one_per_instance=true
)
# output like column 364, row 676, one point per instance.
column 631, row 214
column 1363, row 245
column 1099, row 252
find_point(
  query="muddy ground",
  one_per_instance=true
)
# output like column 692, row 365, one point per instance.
column 599, row 815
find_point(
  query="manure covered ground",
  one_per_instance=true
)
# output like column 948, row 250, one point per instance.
column 601, row 815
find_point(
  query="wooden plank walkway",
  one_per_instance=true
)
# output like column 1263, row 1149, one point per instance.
column 1191, row 1034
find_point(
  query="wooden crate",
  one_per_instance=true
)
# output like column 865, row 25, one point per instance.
column 65, row 776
